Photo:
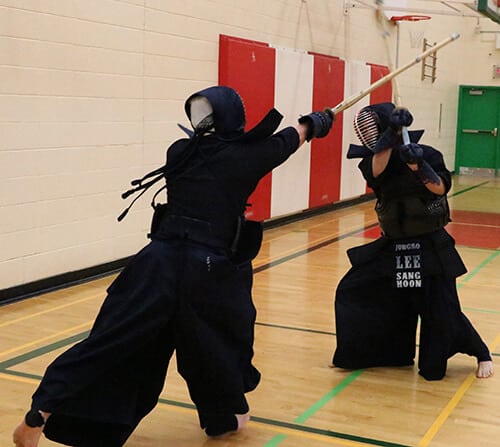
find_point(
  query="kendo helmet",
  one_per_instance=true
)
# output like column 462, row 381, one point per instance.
column 218, row 109
column 371, row 121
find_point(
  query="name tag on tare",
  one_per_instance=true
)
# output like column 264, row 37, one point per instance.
column 407, row 265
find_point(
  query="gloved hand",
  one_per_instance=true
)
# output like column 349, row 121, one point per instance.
column 389, row 138
column 400, row 117
column 318, row 123
column 411, row 153
column 426, row 174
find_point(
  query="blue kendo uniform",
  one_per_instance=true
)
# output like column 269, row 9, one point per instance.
column 410, row 271
column 188, row 291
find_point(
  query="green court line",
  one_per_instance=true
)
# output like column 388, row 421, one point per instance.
column 479, row 268
column 462, row 191
column 304, row 416
column 278, row 439
column 473, row 273
column 296, row 425
column 328, row 397
column 484, row 311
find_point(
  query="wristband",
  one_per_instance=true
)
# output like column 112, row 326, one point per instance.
column 34, row 419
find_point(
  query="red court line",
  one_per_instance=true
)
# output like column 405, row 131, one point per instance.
column 475, row 236
column 468, row 228
column 476, row 217
column 372, row 233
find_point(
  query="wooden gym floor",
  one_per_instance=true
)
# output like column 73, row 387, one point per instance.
column 300, row 401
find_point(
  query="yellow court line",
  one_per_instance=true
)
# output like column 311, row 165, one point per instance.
column 42, row 312
column 281, row 430
column 48, row 337
column 438, row 423
column 19, row 379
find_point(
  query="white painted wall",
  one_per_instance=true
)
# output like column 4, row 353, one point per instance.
column 91, row 92
column 290, row 181
column 357, row 78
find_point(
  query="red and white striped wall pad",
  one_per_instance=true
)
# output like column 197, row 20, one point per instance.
column 297, row 83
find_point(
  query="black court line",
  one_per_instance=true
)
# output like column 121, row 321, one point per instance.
column 298, row 427
column 312, row 248
column 69, row 279
column 323, row 432
column 75, row 338
column 314, row 331
column 42, row 350
column 339, row 238
column 272, row 422
column 78, row 337
column 295, row 328
column 13, row 372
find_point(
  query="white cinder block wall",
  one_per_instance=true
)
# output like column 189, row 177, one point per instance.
column 91, row 92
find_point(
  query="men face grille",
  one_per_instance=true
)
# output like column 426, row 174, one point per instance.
column 366, row 127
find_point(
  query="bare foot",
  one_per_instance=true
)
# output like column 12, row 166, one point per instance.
column 484, row 369
column 242, row 420
column 25, row 436
column 241, row 423
column 339, row 368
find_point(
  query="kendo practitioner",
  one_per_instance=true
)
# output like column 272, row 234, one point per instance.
column 411, row 269
column 188, row 290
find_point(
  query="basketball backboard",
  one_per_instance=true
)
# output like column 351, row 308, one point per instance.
column 393, row 7
column 490, row 8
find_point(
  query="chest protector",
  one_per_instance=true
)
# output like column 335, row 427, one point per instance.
column 409, row 209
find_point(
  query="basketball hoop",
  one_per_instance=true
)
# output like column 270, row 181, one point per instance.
column 410, row 18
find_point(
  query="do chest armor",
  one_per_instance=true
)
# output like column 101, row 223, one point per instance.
column 403, row 215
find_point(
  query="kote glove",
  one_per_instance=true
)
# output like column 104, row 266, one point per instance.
column 318, row 123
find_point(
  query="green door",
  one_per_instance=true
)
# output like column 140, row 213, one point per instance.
column 478, row 141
